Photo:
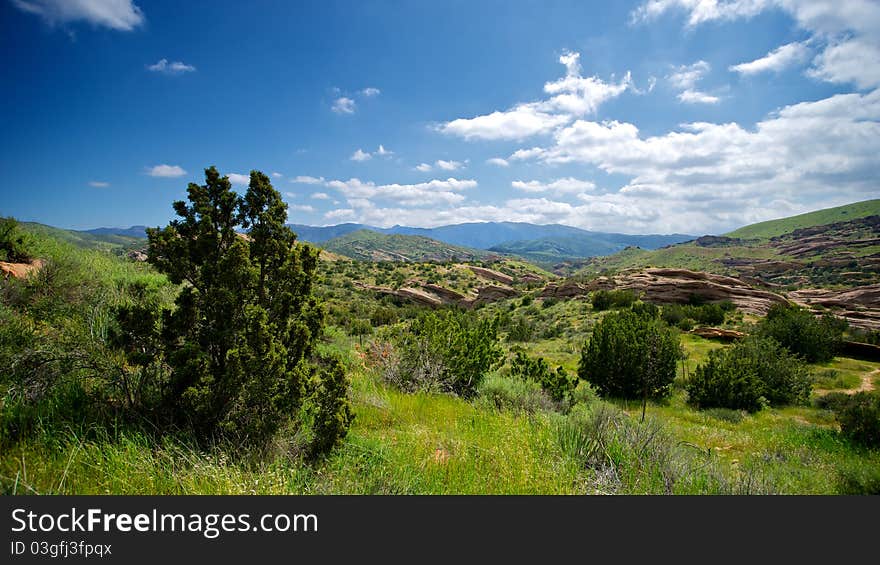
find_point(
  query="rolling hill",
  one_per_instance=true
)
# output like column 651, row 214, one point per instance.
column 775, row 228
column 368, row 245
column 788, row 251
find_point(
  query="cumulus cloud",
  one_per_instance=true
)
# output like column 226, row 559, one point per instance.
column 441, row 165
column 780, row 58
column 370, row 92
column 848, row 31
column 685, row 79
column 343, row 105
column 172, row 68
column 166, row 171
column 121, row 15
column 360, row 155
column 568, row 185
column 569, row 97
column 498, row 162
column 302, row 208
column 706, row 175
column 437, row 191
column 320, row 196
column 277, row 175
column 305, row 179
column 238, row 179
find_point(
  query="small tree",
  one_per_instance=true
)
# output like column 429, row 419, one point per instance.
column 630, row 355
column 13, row 247
column 816, row 340
column 240, row 341
column 749, row 375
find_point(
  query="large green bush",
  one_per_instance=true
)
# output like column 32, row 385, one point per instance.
column 814, row 339
column 749, row 375
column 630, row 355
column 605, row 299
column 859, row 418
column 240, row 342
column 13, row 247
column 449, row 351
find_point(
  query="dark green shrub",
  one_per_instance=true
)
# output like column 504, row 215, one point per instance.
column 749, row 375
column 240, row 342
column 520, row 330
column 630, row 356
column 549, row 302
column 13, row 247
column 383, row 316
column 605, row 299
column 557, row 383
column 859, row 418
column 814, row 339
column 449, row 351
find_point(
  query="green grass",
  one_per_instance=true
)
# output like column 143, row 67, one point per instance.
column 368, row 245
column 773, row 228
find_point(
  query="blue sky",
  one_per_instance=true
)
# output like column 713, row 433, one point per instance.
column 690, row 116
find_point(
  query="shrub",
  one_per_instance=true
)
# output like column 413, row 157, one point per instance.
column 447, row 351
column 814, row 339
column 859, row 418
column 240, row 342
column 383, row 316
column 13, row 247
column 605, row 299
column 748, row 375
column 520, row 330
column 630, row 356
column 514, row 394
column 557, row 383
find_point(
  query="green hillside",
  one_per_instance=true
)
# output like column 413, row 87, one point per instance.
column 842, row 248
column 774, row 228
column 84, row 240
column 366, row 245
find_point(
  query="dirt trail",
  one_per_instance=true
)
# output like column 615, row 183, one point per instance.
column 867, row 382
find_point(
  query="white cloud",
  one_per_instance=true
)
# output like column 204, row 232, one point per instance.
column 685, row 79
column 855, row 61
column 290, row 194
column 277, row 175
column 343, row 105
column 341, row 214
column 305, row 179
column 498, row 161
column 174, row 68
column 239, row 179
column 431, row 193
column 382, row 152
column 568, row 185
column 360, row 155
column 99, row 184
column 423, row 167
column 847, row 30
column 302, row 208
column 780, row 58
column 570, row 97
column 370, row 92
column 320, row 196
column 707, row 175
column 121, row 15
column 448, row 165
column 697, row 97
column 166, row 171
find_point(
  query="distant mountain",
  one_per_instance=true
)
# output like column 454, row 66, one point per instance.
column 133, row 231
column 108, row 239
column 320, row 234
column 488, row 235
column 553, row 250
column 367, row 245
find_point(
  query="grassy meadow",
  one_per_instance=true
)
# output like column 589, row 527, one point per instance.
column 506, row 439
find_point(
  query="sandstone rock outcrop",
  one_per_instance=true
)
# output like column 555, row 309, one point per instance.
column 19, row 270
column 491, row 275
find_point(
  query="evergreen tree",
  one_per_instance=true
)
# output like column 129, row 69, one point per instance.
column 240, row 341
